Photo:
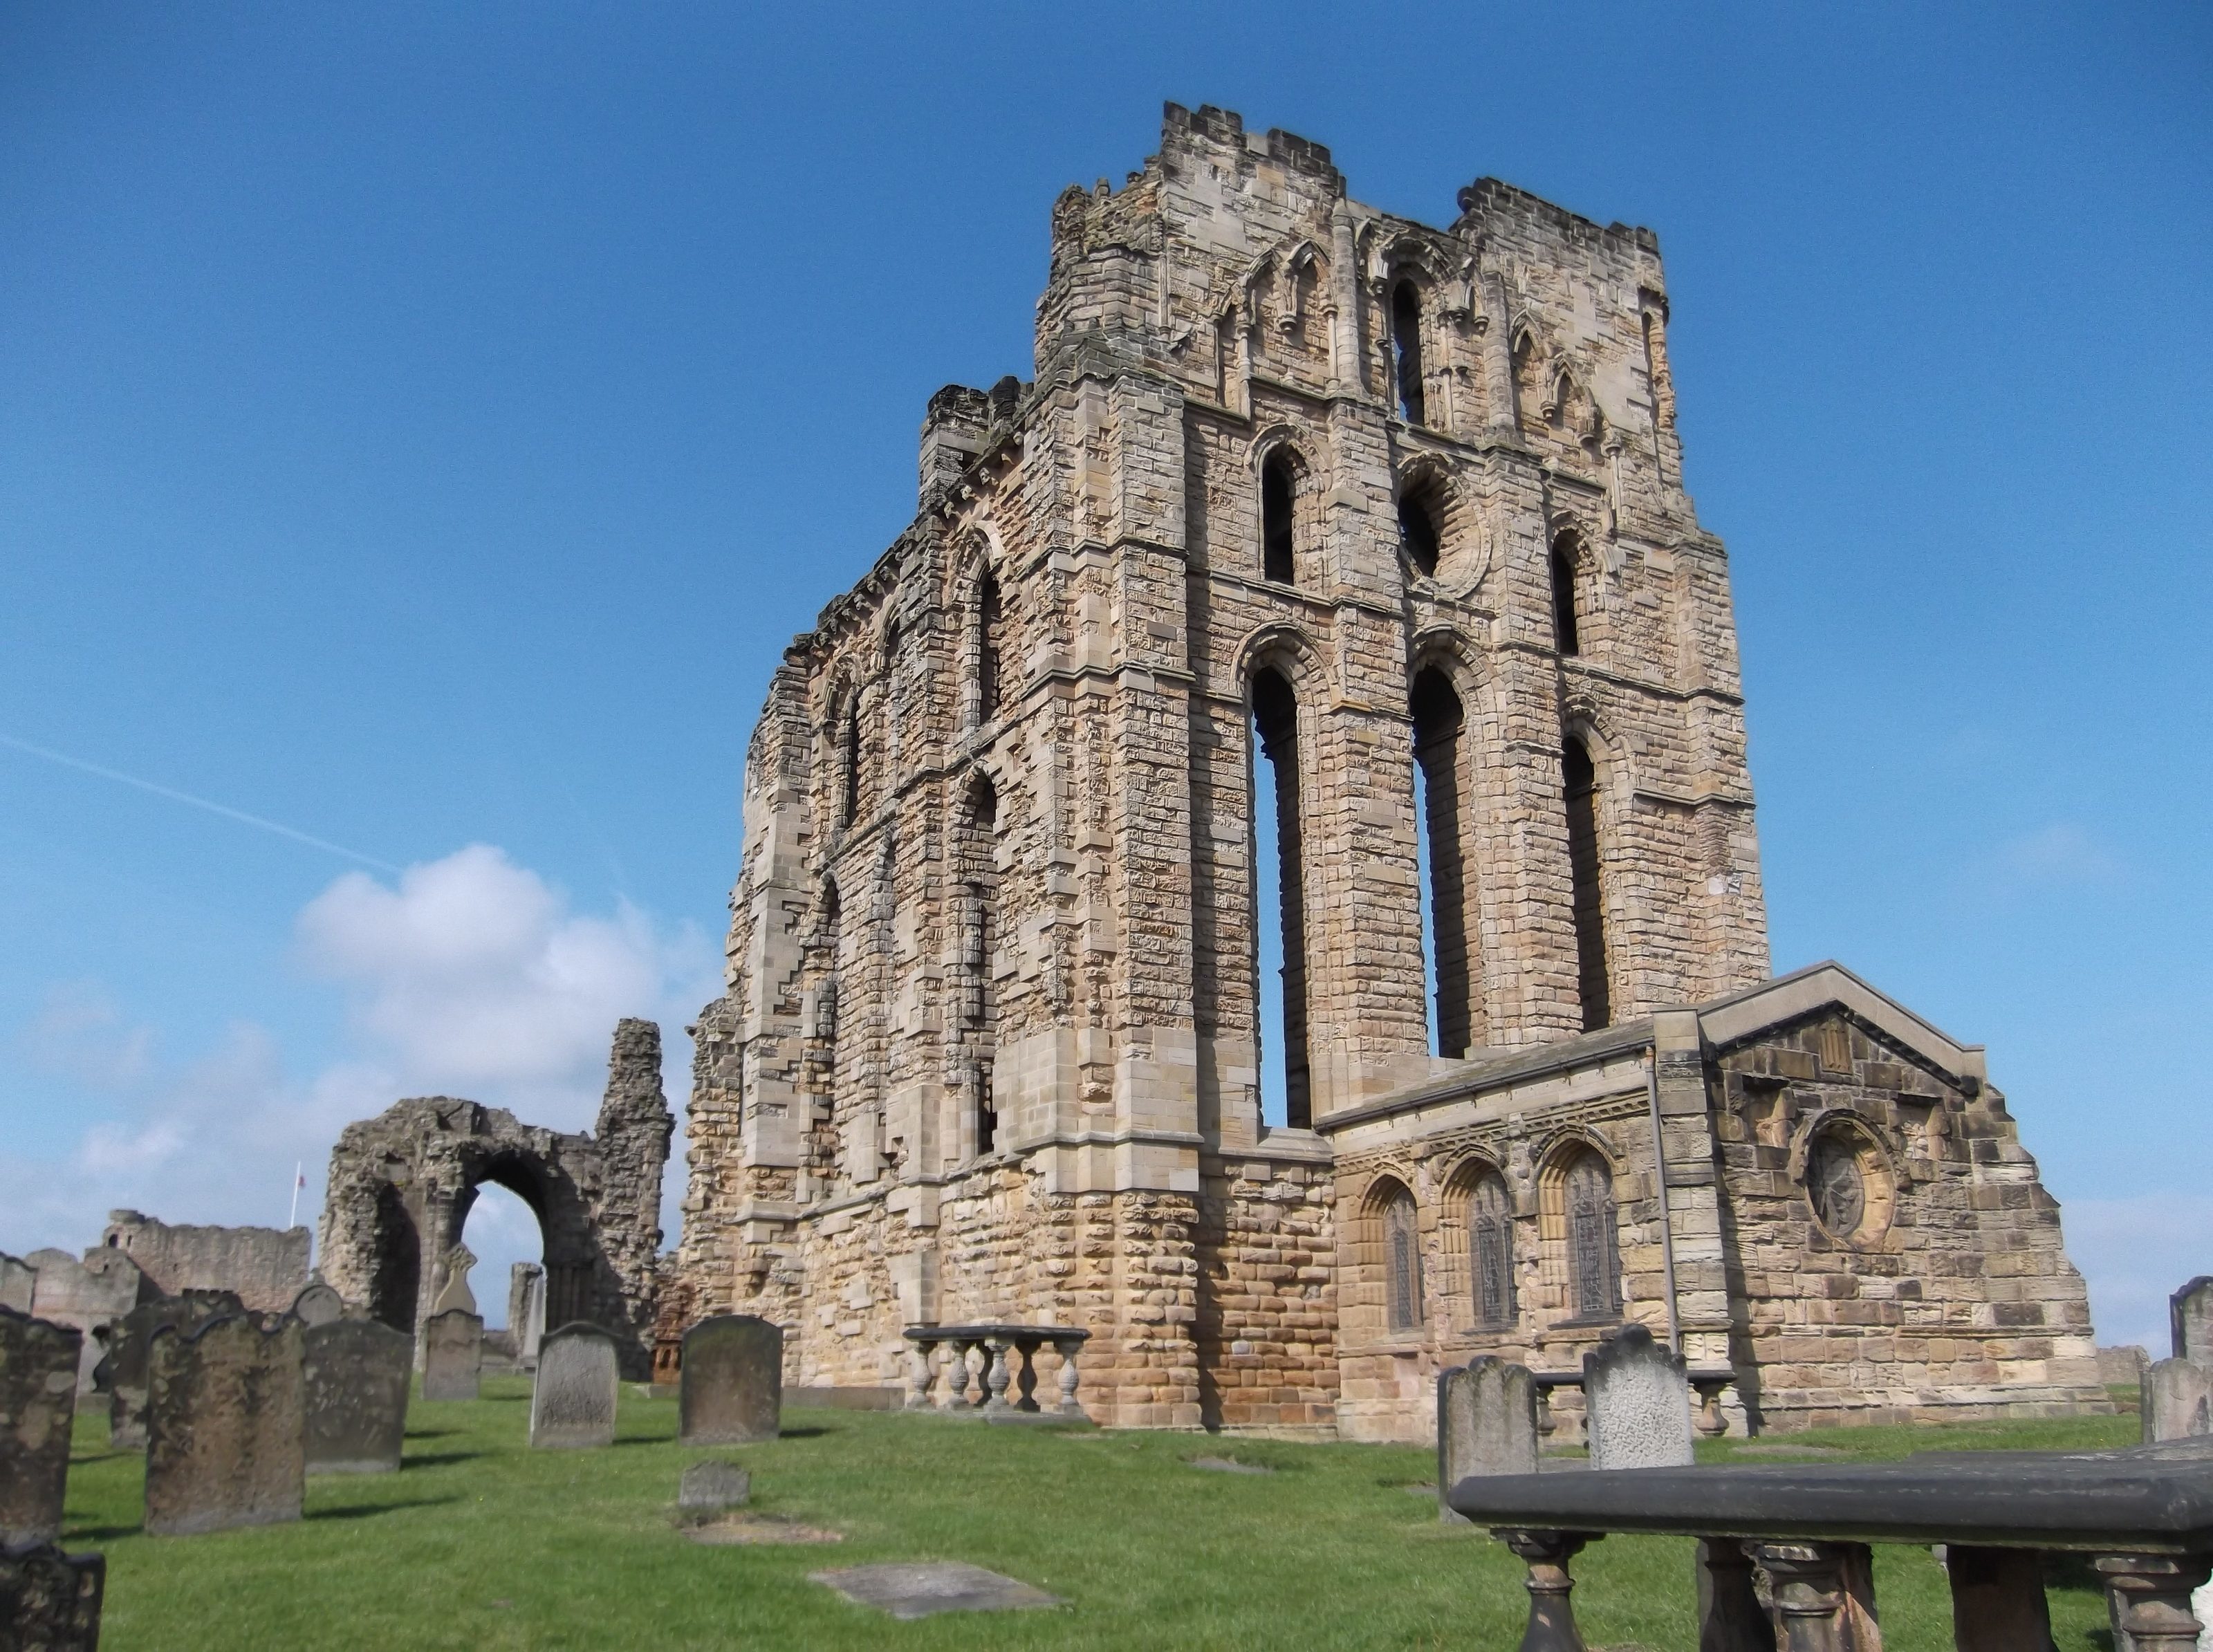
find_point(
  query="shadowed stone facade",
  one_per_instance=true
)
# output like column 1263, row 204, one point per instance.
column 401, row 1185
column 1395, row 513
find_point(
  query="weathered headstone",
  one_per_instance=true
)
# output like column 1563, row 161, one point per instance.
column 19, row 1280
column 731, row 1383
column 453, row 1355
column 130, row 1343
column 908, row 1590
column 225, row 1440
column 49, row 1600
column 318, row 1305
column 1487, row 1424
column 37, row 1402
column 1639, row 1396
column 2190, row 1321
column 532, row 1336
column 2178, row 1400
column 455, row 1292
column 357, row 1376
column 572, row 1404
column 709, row 1487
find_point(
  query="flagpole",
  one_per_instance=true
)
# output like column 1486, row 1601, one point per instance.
column 299, row 1175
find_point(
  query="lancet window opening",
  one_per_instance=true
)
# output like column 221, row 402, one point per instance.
column 1276, row 742
column 989, row 623
column 1406, row 350
column 1439, row 726
column 1594, row 1249
column 1585, row 863
column 849, row 761
column 1278, row 537
column 828, row 941
column 980, row 903
column 1491, row 1250
column 1402, row 1260
column 1567, row 627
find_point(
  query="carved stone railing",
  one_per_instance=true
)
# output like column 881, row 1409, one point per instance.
column 1708, row 1383
column 2145, row 1517
column 998, row 1342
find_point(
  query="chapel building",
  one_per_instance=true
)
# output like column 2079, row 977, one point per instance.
column 1385, row 522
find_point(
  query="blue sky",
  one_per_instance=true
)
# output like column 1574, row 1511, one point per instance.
column 423, row 426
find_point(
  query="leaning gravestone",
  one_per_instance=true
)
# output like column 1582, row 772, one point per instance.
column 19, row 1280
column 49, row 1600
column 37, row 1402
column 731, row 1382
column 130, row 1343
column 1639, row 1396
column 453, row 1355
column 225, row 1435
column 356, row 1373
column 2178, row 1400
column 572, row 1404
column 318, row 1305
column 2190, row 1321
column 1486, row 1424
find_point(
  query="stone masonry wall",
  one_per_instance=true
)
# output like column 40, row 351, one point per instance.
column 267, row 1266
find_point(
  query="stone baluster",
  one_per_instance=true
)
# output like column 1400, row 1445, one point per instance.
column 1997, row 1600
column 1068, row 1348
column 1026, row 1379
column 996, row 1377
column 1823, row 1594
column 1551, row 1620
column 1730, row 1616
column 918, row 1378
column 2149, row 1597
column 1710, row 1421
column 956, row 1375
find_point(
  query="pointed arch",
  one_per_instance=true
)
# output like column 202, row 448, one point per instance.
column 1407, row 361
column 1440, row 723
column 1391, row 1203
column 1586, row 873
column 1280, row 474
column 1566, row 564
column 1274, row 724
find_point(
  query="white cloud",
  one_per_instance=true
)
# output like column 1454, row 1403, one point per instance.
column 2134, row 1252
column 79, row 1033
column 465, row 976
column 2061, row 853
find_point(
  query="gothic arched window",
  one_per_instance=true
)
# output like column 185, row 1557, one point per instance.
column 1278, row 544
column 1566, row 632
column 1406, row 349
column 1490, row 1249
column 988, row 620
column 850, row 751
column 1402, row 1260
column 1418, row 533
column 1593, row 1256
column 1585, row 861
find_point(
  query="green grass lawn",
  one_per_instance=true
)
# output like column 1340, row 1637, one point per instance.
column 480, row 1543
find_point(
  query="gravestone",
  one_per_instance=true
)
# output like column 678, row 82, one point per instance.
column 38, row 1403
column 318, row 1305
column 455, row 1293
column 225, row 1432
column 2190, row 1321
column 356, row 1373
column 1486, row 1424
column 2178, row 1400
column 1638, row 1396
column 572, row 1403
column 49, row 1600
column 709, row 1487
column 18, row 1281
column 916, row 1590
column 731, row 1381
column 130, row 1343
column 453, row 1355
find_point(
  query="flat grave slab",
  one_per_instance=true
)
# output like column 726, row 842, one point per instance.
column 921, row 1589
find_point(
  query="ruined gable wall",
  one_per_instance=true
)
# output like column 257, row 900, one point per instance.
column 267, row 1266
column 1956, row 1300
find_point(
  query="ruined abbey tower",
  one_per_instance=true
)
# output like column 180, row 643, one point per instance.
column 1393, row 517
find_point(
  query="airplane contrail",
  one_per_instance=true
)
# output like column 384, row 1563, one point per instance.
column 176, row 796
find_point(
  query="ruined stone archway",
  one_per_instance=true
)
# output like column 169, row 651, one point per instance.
column 401, row 1185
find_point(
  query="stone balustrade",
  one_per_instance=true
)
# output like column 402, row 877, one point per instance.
column 950, row 1374
column 1709, row 1383
column 2143, row 1516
